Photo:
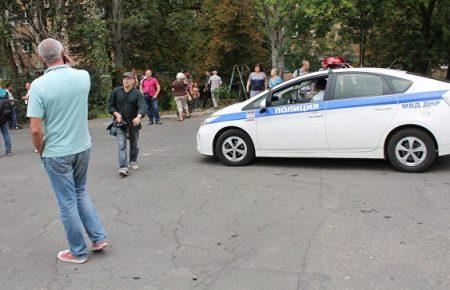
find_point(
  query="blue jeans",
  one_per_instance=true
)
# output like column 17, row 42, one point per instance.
column 15, row 117
column 68, row 179
column 5, row 133
column 122, row 142
column 152, row 108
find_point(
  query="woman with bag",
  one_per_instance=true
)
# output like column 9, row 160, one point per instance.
column 180, row 94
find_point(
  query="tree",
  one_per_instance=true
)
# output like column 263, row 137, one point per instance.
column 227, row 34
column 89, row 39
column 357, row 18
column 313, row 32
column 413, row 34
column 275, row 17
column 29, row 22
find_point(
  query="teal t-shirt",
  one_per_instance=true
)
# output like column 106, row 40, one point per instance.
column 60, row 98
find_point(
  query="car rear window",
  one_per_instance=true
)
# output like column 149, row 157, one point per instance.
column 398, row 85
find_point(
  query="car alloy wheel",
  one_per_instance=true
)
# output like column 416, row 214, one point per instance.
column 234, row 149
column 411, row 151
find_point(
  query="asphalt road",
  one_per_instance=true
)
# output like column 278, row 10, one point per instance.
column 184, row 221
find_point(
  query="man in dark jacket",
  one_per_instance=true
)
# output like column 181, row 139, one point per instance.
column 4, row 99
column 127, row 105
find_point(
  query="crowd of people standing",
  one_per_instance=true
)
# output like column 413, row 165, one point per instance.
column 188, row 95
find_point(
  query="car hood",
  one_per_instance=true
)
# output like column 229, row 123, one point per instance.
column 230, row 109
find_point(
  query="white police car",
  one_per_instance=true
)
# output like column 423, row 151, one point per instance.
column 344, row 113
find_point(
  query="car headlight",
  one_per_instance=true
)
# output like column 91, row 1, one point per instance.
column 209, row 120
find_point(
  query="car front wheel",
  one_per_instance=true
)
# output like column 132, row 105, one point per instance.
column 235, row 148
column 411, row 150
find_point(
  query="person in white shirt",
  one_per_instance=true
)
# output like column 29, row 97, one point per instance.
column 321, row 84
column 25, row 98
column 14, row 123
column 214, row 82
column 305, row 69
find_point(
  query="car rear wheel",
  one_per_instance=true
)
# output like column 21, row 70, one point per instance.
column 235, row 148
column 411, row 150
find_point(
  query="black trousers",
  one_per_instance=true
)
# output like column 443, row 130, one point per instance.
column 205, row 96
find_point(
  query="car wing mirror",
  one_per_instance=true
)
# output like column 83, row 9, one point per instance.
column 263, row 105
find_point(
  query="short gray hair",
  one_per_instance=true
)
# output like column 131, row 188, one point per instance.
column 180, row 76
column 50, row 50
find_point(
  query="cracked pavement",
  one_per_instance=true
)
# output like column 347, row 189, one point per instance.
column 184, row 221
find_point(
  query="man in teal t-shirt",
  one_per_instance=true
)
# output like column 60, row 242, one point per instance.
column 60, row 99
column 58, row 112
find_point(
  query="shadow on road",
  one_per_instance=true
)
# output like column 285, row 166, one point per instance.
column 441, row 164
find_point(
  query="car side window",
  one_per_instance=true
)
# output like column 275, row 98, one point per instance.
column 307, row 91
column 353, row 85
column 398, row 85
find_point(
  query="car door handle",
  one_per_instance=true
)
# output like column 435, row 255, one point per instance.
column 384, row 109
column 315, row 115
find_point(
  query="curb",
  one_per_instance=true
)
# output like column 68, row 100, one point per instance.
column 194, row 114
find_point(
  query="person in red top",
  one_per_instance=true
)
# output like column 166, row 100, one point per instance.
column 150, row 88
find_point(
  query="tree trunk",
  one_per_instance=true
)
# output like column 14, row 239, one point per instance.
column 276, row 34
column 5, row 44
column 277, row 55
column 41, row 19
column 12, row 60
column 427, row 13
column 362, row 48
column 61, row 26
column 117, row 16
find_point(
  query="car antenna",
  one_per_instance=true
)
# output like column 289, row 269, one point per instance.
column 392, row 63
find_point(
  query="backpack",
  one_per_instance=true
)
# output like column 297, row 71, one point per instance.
column 6, row 107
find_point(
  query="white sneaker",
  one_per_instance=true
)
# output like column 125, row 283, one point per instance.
column 134, row 165
column 123, row 171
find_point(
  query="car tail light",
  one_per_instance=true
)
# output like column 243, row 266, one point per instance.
column 446, row 97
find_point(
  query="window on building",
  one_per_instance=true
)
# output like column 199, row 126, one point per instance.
column 27, row 46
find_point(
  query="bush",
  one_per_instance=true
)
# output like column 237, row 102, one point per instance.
column 98, row 96
column 166, row 100
column 225, row 93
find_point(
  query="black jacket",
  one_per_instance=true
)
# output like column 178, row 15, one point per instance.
column 129, row 105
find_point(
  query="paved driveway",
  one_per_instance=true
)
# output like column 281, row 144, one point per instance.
column 186, row 222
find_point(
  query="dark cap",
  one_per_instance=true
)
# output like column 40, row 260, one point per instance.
column 128, row 75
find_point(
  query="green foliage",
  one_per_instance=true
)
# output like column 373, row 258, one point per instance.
column 223, row 92
column 91, row 36
column 413, row 33
column 109, row 37
column 166, row 99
